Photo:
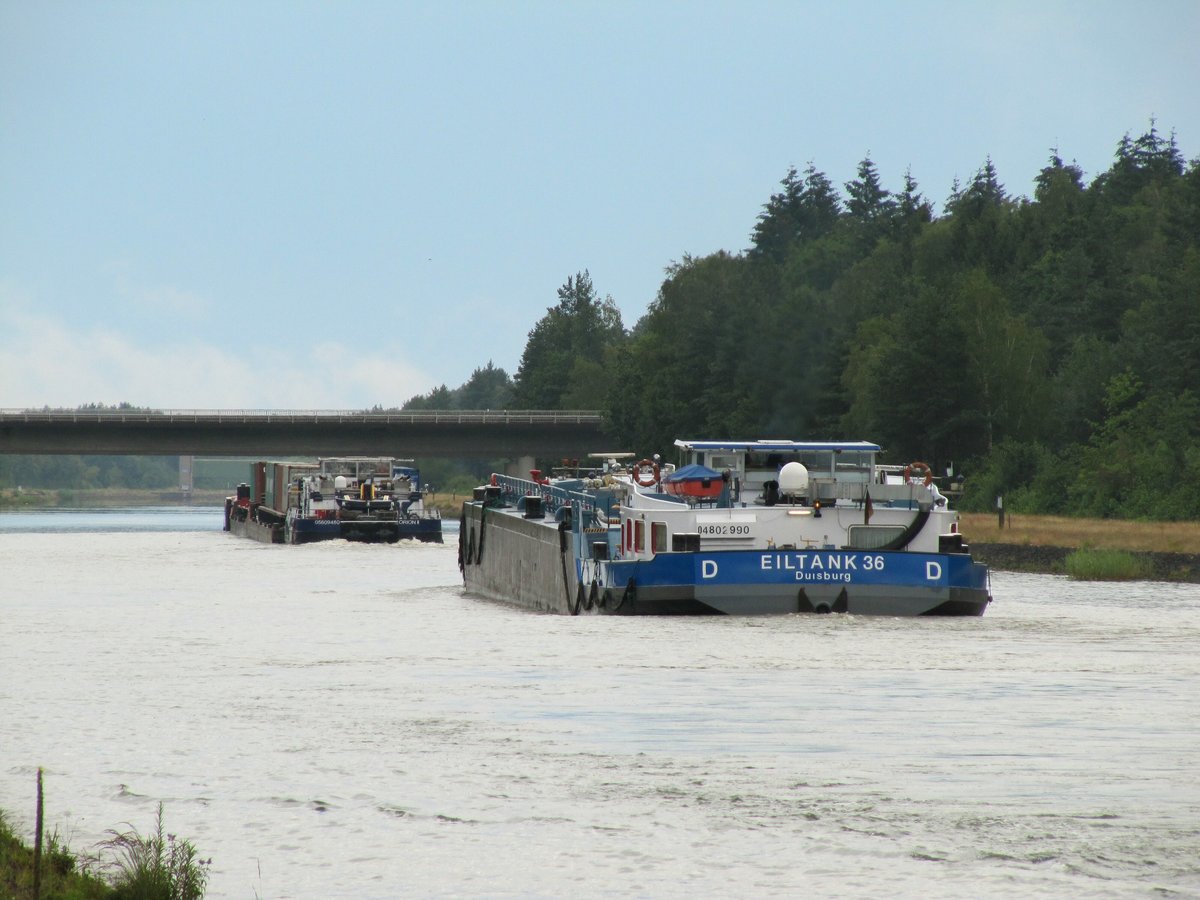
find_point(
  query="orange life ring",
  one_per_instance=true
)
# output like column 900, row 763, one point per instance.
column 637, row 473
column 918, row 470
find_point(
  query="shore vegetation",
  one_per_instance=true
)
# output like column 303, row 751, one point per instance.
column 128, row 866
column 1094, row 564
column 1079, row 533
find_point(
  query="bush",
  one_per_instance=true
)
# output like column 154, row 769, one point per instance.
column 1029, row 477
column 156, row 867
column 1091, row 564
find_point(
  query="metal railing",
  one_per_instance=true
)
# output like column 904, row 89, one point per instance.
column 425, row 417
column 590, row 510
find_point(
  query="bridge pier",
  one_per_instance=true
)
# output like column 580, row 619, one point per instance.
column 519, row 467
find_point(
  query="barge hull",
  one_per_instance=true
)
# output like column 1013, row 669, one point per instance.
column 239, row 523
column 515, row 560
column 529, row 563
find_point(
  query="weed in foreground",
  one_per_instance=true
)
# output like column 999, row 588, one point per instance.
column 156, row 866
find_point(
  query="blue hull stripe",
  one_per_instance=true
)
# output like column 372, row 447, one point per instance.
column 803, row 567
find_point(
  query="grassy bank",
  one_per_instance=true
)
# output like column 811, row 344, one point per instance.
column 61, row 874
column 1091, row 549
column 152, row 866
column 1060, row 531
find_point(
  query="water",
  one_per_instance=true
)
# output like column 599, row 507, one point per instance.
column 338, row 720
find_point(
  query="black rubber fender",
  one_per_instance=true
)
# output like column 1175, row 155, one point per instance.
column 579, row 599
column 627, row 596
column 462, row 530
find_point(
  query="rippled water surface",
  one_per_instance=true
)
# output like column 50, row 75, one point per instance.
column 338, row 720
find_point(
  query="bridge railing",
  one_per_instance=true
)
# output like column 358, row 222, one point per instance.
column 452, row 416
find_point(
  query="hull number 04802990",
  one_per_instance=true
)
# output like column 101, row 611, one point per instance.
column 718, row 530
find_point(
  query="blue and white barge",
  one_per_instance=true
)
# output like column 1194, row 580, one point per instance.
column 742, row 528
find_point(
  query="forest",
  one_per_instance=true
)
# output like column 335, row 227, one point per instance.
column 1045, row 349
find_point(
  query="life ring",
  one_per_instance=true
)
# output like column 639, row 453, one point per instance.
column 916, row 470
column 637, row 473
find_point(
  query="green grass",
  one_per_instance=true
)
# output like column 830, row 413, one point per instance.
column 63, row 877
column 1100, row 564
column 156, row 866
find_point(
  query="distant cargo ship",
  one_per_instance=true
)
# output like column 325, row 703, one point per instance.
column 353, row 498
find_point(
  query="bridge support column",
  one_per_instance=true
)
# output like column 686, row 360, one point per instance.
column 521, row 465
column 186, row 465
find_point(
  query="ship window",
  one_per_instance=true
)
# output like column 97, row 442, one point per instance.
column 639, row 536
column 658, row 537
column 721, row 461
column 872, row 537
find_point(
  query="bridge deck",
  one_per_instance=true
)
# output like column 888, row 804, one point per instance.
column 241, row 432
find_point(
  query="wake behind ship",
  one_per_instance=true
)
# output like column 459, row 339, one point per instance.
column 744, row 528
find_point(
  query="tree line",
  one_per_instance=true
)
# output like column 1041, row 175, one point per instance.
column 1047, row 347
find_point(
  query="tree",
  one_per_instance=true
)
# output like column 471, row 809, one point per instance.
column 982, row 220
column 869, row 206
column 440, row 397
column 489, row 387
column 1008, row 361
column 912, row 209
column 803, row 211
column 1139, row 162
column 580, row 327
column 687, row 371
column 1143, row 461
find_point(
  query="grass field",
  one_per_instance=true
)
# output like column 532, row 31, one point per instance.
column 1061, row 531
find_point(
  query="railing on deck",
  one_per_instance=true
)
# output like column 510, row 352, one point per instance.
column 554, row 498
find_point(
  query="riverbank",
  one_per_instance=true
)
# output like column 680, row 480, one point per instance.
column 107, row 498
column 1041, row 544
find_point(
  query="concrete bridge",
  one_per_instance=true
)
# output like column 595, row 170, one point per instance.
column 283, row 433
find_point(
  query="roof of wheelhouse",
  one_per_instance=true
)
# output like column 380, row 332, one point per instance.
column 767, row 445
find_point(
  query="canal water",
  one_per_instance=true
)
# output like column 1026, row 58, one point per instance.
column 341, row 720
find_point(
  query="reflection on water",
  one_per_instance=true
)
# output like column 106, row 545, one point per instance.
column 339, row 720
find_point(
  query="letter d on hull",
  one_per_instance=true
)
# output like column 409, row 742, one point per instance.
column 708, row 568
column 933, row 571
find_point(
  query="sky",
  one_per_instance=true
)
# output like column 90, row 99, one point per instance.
column 320, row 205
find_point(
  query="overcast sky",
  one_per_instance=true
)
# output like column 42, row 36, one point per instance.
column 336, row 205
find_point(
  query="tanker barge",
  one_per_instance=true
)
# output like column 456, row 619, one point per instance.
column 742, row 528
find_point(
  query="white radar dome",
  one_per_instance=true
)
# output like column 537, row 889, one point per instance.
column 339, row 482
column 793, row 479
